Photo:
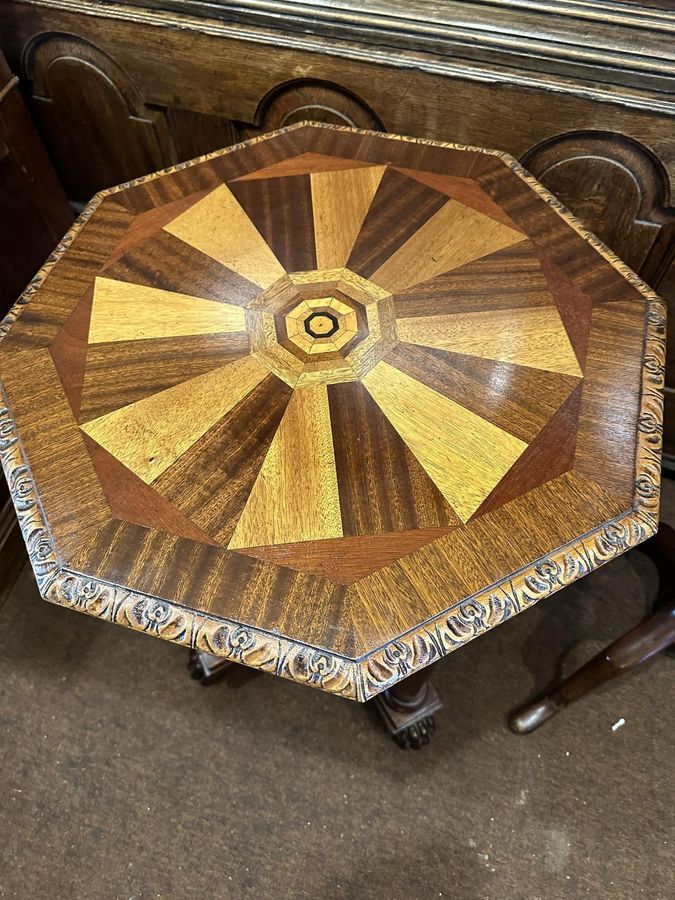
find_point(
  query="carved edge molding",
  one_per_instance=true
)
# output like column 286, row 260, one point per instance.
column 355, row 679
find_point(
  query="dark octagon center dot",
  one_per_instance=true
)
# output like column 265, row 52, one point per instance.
column 321, row 325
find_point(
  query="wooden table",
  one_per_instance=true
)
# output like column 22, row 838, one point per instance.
column 330, row 404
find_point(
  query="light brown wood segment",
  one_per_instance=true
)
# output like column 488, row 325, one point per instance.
column 453, row 236
column 341, row 200
column 295, row 497
column 527, row 337
column 149, row 435
column 219, row 227
column 129, row 312
column 464, row 455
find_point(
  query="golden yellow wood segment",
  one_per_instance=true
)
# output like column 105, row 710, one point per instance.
column 361, row 288
column 342, row 337
column 533, row 337
column 151, row 434
column 219, row 227
column 131, row 312
column 453, row 236
column 317, row 276
column 295, row 497
column 340, row 202
column 463, row 454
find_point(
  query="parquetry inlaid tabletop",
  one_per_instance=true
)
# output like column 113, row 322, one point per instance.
column 330, row 403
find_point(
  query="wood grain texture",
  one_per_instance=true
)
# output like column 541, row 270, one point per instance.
column 163, row 261
column 507, row 279
column 69, row 351
column 516, row 398
column 219, row 227
column 399, row 208
column 464, row 455
column 232, row 453
column 453, row 236
column 149, row 435
column 526, row 337
column 129, row 312
column 384, row 487
column 295, row 497
column 131, row 500
column 340, row 203
column 281, row 210
column 467, row 487
column 122, row 372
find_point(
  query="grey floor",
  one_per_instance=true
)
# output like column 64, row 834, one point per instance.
column 122, row 778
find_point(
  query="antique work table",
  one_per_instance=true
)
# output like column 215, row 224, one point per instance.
column 330, row 404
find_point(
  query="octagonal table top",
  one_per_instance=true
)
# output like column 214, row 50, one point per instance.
column 330, row 403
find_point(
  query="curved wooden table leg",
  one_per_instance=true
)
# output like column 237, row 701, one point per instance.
column 652, row 636
column 408, row 708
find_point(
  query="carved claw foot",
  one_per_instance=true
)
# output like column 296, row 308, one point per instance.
column 407, row 711
column 414, row 737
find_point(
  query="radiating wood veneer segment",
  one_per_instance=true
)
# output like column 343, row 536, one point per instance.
column 451, row 237
column 464, row 455
column 518, row 399
column 464, row 190
column 123, row 372
column 340, row 203
column 383, row 486
column 295, row 497
column 149, row 435
column 526, row 337
column 163, row 261
column 130, row 312
column 132, row 500
column 399, row 208
column 219, row 227
column 211, row 482
column 507, row 279
column 281, row 211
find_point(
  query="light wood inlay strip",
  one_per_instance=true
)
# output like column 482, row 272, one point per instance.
column 340, row 202
column 219, row 227
column 295, row 497
column 533, row 337
column 150, row 435
column 132, row 312
column 453, row 236
column 463, row 454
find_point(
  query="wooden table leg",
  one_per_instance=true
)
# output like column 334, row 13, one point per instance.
column 408, row 708
column 654, row 635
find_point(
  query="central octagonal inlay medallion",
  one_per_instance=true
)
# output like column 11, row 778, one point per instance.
column 321, row 327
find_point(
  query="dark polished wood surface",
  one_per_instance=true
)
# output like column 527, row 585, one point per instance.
column 331, row 403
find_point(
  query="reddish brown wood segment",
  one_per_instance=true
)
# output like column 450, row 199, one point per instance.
column 304, row 398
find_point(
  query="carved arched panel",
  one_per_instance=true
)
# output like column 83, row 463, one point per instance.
column 96, row 126
column 617, row 188
column 312, row 100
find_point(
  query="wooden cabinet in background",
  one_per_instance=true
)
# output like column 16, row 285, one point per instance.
column 34, row 214
column 582, row 92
